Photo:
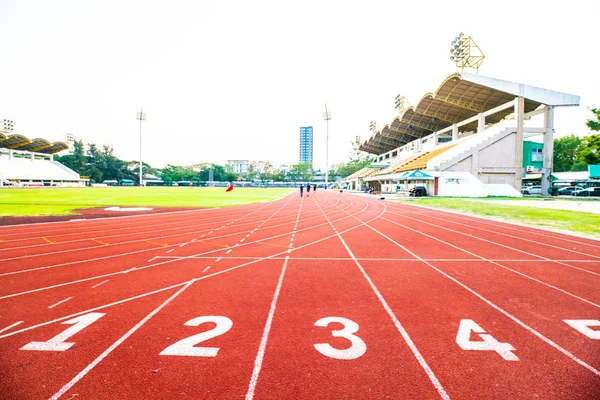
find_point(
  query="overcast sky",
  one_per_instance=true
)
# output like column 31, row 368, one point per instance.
column 235, row 79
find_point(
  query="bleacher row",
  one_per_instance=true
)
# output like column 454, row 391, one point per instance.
column 27, row 169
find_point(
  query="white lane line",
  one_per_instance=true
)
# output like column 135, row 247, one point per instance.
column 265, row 336
column 436, row 383
column 206, row 269
column 87, row 369
column 494, row 306
column 218, row 259
column 247, row 235
column 242, row 239
column 498, row 264
column 203, row 235
column 101, row 283
column 60, row 302
column 168, row 251
column 152, row 259
column 228, row 251
column 11, row 326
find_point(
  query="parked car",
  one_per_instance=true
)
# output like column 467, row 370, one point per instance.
column 593, row 191
column 567, row 191
column 418, row 191
column 532, row 190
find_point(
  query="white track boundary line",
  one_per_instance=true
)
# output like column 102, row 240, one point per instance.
column 116, row 344
column 274, row 256
column 483, row 259
column 265, row 336
column 497, row 308
column 430, row 374
column 136, row 268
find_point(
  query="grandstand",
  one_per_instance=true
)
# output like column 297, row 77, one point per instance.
column 464, row 139
column 25, row 162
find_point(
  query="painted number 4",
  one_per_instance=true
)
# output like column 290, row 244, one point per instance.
column 487, row 342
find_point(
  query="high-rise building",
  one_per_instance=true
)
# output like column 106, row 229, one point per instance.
column 306, row 145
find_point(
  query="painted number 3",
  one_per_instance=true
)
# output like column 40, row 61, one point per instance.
column 357, row 347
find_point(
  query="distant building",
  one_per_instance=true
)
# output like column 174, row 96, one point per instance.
column 238, row 166
column 306, row 145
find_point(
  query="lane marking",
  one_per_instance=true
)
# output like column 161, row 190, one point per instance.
column 242, row 240
column 497, row 308
column 214, row 244
column 158, row 244
column 206, row 269
column 48, row 241
column 152, row 259
column 436, row 383
column 228, row 251
column 99, row 241
column 129, row 270
column 219, row 259
column 101, row 283
column 168, row 251
column 60, row 302
column 265, row 336
column 116, row 344
column 483, row 259
column 11, row 326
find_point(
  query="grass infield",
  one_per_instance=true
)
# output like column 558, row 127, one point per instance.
column 63, row 201
column 574, row 221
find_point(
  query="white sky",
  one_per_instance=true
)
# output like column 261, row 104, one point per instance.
column 235, row 79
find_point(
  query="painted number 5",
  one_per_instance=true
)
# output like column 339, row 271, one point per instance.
column 358, row 347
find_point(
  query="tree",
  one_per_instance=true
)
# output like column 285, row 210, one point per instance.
column 589, row 151
column 594, row 124
column 565, row 152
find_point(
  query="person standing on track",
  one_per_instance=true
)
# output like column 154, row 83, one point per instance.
column 315, row 188
column 301, row 190
column 307, row 189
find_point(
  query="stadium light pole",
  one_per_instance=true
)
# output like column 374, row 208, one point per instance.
column 141, row 116
column 327, row 117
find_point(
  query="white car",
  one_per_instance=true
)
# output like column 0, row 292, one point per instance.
column 532, row 190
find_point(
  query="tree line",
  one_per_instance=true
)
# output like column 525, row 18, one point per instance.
column 572, row 153
column 100, row 164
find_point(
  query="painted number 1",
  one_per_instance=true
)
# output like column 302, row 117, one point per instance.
column 57, row 343
column 487, row 342
column 358, row 347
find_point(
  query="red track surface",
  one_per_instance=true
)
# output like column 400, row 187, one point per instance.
column 324, row 297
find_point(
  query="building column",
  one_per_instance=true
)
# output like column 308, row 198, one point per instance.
column 435, row 139
column 454, row 132
column 480, row 123
column 519, row 114
column 548, row 152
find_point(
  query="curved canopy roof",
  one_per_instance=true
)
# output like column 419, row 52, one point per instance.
column 39, row 145
column 459, row 97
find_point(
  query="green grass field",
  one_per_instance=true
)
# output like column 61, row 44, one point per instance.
column 61, row 201
column 577, row 222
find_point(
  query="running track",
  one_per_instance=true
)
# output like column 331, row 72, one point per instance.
column 332, row 296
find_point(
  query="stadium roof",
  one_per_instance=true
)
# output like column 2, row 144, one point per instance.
column 460, row 97
column 20, row 142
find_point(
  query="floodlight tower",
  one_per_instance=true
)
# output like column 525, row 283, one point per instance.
column 327, row 117
column 7, row 125
column 141, row 116
column 465, row 53
column 401, row 103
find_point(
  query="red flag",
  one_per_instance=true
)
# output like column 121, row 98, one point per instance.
column 230, row 188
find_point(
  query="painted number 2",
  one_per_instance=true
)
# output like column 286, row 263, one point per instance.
column 185, row 347
column 357, row 348
column 487, row 342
